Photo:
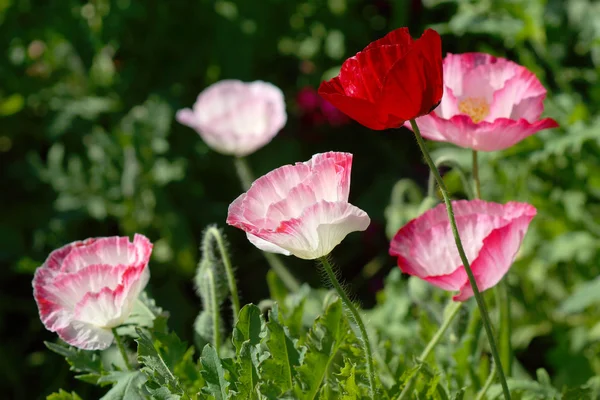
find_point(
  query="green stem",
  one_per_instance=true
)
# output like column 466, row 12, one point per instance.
column 246, row 178
column 235, row 299
column 279, row 268
column 215, row 310
column 505, row 325
column 476, row 176
column 478, row 297
column 121, row 349
column 488, row 383
column 453, row 310
column 357, row 319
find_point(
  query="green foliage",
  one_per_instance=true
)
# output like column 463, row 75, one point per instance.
column 90, row 148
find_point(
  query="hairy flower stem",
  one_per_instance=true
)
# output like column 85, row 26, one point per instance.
column 121, row 349
column 246, row 178
column 235, row 299
column 216, row 323
column 461, row 251
column 453, row 310
column 501, row 294
column 357, row 319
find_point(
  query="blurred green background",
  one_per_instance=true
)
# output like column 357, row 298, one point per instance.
column 89, row 147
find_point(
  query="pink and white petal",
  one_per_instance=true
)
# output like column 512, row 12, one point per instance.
column 448, row 106
column 343, row 167
column 266, row 190
column 266, row 246
column 113, row 250
column 187, row 117
column 272, row 95
column 497, row 255
column 523, row 85
column 452, row 281
column 86, row 336
column 318, row 230
column 101, row 309
column 457, row 67
column 428, row 126
column 504, row 133
column 292, row 206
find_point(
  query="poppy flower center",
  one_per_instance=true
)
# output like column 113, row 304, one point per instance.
column 475, row 107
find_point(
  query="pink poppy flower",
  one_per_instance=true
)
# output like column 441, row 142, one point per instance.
column 489, row 104
column 300, row 209
column 491, row 234
column 85, row 289
column 236, row 118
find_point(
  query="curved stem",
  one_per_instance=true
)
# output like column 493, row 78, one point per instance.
column 461, row 251
column 215, row 310
column 246, row 178
column 453, row 310
column 235, row 299
column 280, row 269
column 357, row 319
column 476, row 176
column 488, row 383
column 121, row 349
column 448, row 161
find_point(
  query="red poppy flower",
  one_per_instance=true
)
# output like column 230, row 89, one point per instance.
column 394, row 79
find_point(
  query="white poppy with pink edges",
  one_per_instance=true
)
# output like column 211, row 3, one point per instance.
column 300, row 209
column 491, row 235
column 85, row 289
column 236, row 118
column 489, row 104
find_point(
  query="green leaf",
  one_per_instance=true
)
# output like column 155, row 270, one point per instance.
column 62, row 395
column 127, row 385
column 278, row 370
column 84, row 361
column 247, row 377
column 323, row 342
column 159, row 360
column 349, row 388
column 213, row 374
column 248, row 327
column 584, row 296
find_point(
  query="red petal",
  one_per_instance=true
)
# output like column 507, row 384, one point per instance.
column 413, row 87
column 360, row 110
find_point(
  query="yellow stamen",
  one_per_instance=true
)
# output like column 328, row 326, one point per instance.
column 475, row 107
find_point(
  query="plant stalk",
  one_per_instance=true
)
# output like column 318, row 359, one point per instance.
column 246, row 178
column 121, row 349
column 235, row 299
column 478, row 297
column 476, row 176
column 453, row 310
column 215, row 310
column 357, row 319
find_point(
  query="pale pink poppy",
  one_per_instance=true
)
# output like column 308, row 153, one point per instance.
column 85, row 289
column 236, row 118
column 489, row 104
column 300, row 209
column 491, row 234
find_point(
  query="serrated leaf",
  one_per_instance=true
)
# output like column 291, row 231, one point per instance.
column 62, row 395
column 350, row 390
column 127, row 385
column 80, row 360
column 158, row 363
column 278, row 370
column 248, row 327
column 323, row 343
column 247, row 377
column 213, row 374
